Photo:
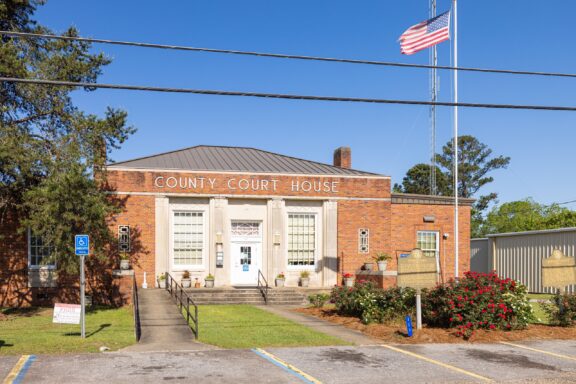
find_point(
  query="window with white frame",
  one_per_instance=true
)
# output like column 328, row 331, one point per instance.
column 301, row 239
column 427, row 241
column 38, row 252
column 188, row 238
column 363, row 240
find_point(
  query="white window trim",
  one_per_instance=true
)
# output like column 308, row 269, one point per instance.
column 35, row 267
column 317, row 212
column 437, row 233
column 205, row 249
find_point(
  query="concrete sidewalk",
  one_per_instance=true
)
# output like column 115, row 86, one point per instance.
column 163, row 326
column 336, row 330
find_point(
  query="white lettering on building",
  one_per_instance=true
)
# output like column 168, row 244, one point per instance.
column 247, row 184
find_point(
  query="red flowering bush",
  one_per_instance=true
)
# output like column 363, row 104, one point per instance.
column 477, row 301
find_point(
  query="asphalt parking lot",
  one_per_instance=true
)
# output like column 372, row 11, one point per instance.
column 532, row 362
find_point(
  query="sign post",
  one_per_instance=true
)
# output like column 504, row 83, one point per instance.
column 417, row 271
column 82, row 245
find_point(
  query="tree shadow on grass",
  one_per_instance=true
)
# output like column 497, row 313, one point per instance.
column 3, row 344
column 102, row 327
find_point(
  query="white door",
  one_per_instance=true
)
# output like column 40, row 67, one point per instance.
column 246, row 261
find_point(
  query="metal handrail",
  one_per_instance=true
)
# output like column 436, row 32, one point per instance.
column 136, row 308
column 263, row 288
column 183, row 301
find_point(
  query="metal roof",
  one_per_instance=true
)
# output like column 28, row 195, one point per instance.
column 233, row 159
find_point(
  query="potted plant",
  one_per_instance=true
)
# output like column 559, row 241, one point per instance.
column 161, row 280
column 368, row 266
column 209, row 281
column 304, row 278
column 382, row 260
column 124, row 262
column 348, row 279
column 280, row 279
column 186, row 282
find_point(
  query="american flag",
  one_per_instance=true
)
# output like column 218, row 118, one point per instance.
column 425, row 34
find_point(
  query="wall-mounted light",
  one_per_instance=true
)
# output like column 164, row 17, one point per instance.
column 429, row 218
column 446, row 236
column 276, row 238
column 218, row 237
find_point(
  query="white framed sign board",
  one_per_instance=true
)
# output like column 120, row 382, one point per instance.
column 66, row 313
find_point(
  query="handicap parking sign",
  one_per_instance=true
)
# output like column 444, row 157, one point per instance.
column 245, row 267
column 81, row 244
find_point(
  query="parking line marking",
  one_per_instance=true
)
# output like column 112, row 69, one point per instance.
column 539, row 351
column 444, row 365
column 286, row 366
column 19, row 369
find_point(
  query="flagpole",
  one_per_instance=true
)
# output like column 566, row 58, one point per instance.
column 456, row 233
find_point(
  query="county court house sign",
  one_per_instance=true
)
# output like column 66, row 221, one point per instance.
column 246, row 184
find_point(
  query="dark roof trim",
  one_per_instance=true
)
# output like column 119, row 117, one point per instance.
column 411, row 198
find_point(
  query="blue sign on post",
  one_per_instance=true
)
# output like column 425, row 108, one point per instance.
column 81, row 244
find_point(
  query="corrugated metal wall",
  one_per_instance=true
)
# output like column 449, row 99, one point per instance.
column 480, row 256
column 519, row 256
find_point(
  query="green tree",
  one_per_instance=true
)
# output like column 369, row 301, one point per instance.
column 527, row 215
column 475, row 163
column 49, row 148
column 417, row 180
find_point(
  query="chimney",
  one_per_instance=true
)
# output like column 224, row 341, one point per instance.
column 343, row 157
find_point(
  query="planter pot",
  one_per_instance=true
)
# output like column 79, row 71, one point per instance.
column 124, row 265
column 186, row 283
column 197, row 284
column 368, row 266
column 279, row 282
column 162, row 283
column 304, row 281
column 382, row 265
column 209, row 283
column 349, row 282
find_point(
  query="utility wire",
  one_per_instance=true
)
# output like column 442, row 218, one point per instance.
column 283, row 56
column 282, row 96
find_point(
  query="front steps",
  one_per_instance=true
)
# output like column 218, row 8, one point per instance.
column 251, row 295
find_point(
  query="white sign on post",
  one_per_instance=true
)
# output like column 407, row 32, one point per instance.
column 66, row 313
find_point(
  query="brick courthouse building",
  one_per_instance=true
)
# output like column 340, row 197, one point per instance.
column 232, row 212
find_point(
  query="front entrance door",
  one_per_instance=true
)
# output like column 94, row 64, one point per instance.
column 246, row 258
column 246, row 249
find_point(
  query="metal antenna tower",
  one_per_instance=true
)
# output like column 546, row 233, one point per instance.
column 433, row 97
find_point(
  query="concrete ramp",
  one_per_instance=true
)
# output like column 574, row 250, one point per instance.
column 163, row 328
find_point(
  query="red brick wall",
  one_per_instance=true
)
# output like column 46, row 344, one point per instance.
column 407, row 219
column 139, row 213
column 14, row 291
column 353, row 215
column 130, row 181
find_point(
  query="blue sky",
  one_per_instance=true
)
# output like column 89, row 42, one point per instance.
column 388, row 139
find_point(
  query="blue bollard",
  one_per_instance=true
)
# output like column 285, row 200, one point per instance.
column 409, row 325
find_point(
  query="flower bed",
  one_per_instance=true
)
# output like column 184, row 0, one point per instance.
column 475, row 301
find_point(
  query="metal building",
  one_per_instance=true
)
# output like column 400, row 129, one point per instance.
column 518, row 255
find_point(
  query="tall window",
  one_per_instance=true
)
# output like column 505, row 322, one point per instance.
column 427, row 241
column 38, row 252
column 301, row 239
column 188, row 232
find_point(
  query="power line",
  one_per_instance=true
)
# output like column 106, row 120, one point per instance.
column 284, row 56
column 282, row 96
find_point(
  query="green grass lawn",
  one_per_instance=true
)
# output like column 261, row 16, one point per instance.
column 540, row 296
column 31, row 331
column 541, row 316
column 245, row 326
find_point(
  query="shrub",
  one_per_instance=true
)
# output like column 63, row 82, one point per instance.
column 372, row 304
column 318, row 300
column 561, row 310
column 477, row 301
